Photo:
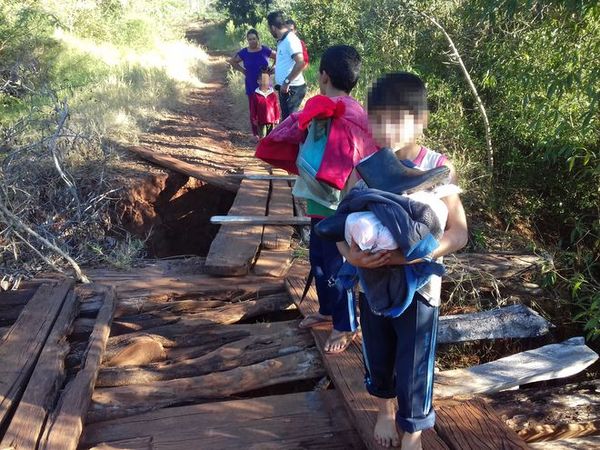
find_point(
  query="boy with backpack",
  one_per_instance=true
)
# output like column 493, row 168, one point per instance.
column 399, row 351
column 323, row 143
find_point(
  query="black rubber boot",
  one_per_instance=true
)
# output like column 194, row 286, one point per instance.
column 385, row 172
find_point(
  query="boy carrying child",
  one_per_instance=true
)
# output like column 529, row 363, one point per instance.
column 399, row 351
column 323, row 143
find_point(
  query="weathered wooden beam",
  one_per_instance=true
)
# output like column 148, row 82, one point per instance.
column 21, row 346
column 474, row 425
column 243, row 352
column 545, row 363
column 514, row 321
column 273, row 263
column 137, row 443
column 260, row 220
column 46, row 380
column 233, row 250
column 185, row 168
column 65, row 424
column 256, row 176
column 561, row 412
column 496, row 266
column 111, row 403
column 281, row 203
column 227, row 314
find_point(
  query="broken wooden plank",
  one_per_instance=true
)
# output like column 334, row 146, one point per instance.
column 115, row 402
column 491, row 266
column 191, row 170
column 346, row 369
column 65, row 424
column 43, row 386
column 233, row 250
column 249, row 350
column 514, row 321
column 561, row 412
column 21, row 346
column 474, row 425
column 260, row 220
column 545, row 363
column 273, row 263
column 138, row 443
column 314, row 420
column 281, row 203
column 585, row 443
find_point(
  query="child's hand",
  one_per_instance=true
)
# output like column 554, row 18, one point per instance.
column 368, row 260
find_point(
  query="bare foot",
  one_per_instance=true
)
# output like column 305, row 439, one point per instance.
column 386, row 433
column 338, row 341
column 412, row 441
column 312, row 320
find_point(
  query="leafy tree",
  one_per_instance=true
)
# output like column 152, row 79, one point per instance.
column 246, row 11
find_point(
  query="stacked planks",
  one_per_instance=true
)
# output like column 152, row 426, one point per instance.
column 40, row 406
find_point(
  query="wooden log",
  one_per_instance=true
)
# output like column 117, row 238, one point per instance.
column 228, row 314
column 200, row 339
column 139, row 350
column 561, row 412
column 585, row 443
column 65, row 424
column 111, row 403
column 498, row 266
column 21, row 346
column 42, row 388
column 515, row 321
column 185, row 168
column 304, row 420
column 273, row 263
column 545, row 363
column 140, row 305
column 233, row 250
column 260, row 220
column 280, row 204
column 474, row 425
column 243, row 352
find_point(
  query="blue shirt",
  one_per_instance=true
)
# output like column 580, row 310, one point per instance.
column 253, row 63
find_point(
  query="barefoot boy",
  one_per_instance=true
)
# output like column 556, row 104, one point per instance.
column 333, row 129
column 399, row 352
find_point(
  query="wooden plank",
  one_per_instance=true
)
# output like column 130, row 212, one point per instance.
column 233, row 250
column 514, row 321
column 560, row 412
column 65, row 424
column 273, row 263
column 21, row 346
column 474, row 425
column 260, row 220
column 313, row 420
column 123, row 401
column 281, row 203
column 585, row 443
column 545, row 363
column 251, row 176
column 140, row 443
column 191, row 170
column 43, row 386
column 346, row 369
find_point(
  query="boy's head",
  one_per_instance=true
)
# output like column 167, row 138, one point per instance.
column 264, row 79
column 339, row 68
column 397, row 108
column 291, row 25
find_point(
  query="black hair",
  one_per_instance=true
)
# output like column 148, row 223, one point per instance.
column 290, row 22
column 254, row 32
column 275, row 19
column 398, row 91
column 342, row 64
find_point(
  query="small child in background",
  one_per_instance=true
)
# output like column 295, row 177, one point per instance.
column 264, row 105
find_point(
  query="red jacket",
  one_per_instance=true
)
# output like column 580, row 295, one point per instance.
column 264, row 109
column 348, row 142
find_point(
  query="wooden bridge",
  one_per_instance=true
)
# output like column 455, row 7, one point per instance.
column 205, row 353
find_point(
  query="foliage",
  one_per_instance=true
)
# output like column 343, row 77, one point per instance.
column 76, row 76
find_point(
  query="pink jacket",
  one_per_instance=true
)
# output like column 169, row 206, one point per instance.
column 348, row 142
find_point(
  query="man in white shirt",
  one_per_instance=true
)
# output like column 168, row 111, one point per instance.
column 288, row 65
